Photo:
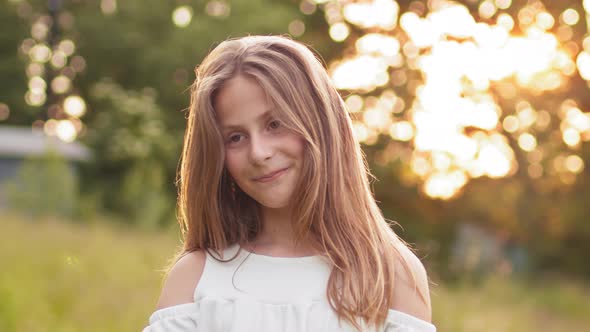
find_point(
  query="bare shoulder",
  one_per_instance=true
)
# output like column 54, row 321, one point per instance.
column 182, row 280
column 411, row 297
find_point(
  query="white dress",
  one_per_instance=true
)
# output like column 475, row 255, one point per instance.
column 268, row 294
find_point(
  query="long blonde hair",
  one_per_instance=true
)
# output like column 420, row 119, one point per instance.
column 333, row 201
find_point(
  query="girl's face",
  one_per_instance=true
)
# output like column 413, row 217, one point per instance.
column 263, row 157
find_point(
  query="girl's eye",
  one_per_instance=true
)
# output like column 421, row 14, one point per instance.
column 234, row 139
column 275, row 124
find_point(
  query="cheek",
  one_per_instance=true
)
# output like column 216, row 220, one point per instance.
column 231, row 164
column 297, row 147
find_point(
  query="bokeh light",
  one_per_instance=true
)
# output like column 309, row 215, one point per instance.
column 375, row 43
column 574, row 164
column 296, row 28
column 4, row 111
column 65, row 130
column 37, row 84
column 78, row 63
column 39, row 30
column 58, row 59
column 466, row 111
column 182, row 16
column 67, row 46
column 354, row 103
column 339, row 32
column 365, row 72
column 61, row 84
column 307, row 7
column 402, row 131
column 570, row 16
column 108, row 7
column 218, row 8
column 503, row 4
column 378, row 13
column 40, row 53
column 74, row 106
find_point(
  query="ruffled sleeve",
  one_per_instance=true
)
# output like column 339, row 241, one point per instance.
column 178, row 318
column 398, row 321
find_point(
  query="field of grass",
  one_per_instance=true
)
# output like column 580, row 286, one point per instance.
column 62, row 277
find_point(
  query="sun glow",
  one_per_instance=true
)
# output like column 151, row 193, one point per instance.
column 455, row 123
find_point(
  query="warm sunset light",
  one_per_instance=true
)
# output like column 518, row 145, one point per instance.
column 471, row 73
column 339, row 32
column 378, row 13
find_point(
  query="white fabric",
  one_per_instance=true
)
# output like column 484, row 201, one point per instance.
column 261, row 293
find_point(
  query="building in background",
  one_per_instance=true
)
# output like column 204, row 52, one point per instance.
column 21, row 144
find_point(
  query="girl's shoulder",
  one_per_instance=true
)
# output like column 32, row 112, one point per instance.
column 181, row 281
column 411, row 286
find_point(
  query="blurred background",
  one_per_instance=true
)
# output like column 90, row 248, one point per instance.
column 474, row 117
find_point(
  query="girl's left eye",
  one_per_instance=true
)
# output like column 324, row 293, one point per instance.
column 274, row 124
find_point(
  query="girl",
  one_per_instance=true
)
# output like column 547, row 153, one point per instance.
column 281, row 231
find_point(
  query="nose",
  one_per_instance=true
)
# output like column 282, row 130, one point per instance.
column 261, row 148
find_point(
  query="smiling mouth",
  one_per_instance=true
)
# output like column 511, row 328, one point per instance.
column 272, row 176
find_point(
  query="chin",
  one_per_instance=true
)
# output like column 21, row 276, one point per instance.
column 273, row 203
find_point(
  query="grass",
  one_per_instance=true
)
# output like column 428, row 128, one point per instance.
column 500, row 304
column 66, row 277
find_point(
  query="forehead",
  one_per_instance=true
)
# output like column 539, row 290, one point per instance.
column 238, row 98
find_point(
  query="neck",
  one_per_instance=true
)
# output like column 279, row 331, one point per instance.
column 277, row 234
column 277, row 227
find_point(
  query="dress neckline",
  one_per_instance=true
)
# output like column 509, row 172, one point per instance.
column 281, row 258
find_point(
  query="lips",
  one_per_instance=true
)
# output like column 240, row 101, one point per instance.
column 271, row 176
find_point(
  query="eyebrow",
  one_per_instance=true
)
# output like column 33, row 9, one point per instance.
column 262, row 116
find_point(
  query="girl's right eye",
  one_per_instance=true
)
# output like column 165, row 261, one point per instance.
column 234, row 139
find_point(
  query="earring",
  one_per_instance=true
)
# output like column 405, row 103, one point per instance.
column 233, row 188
